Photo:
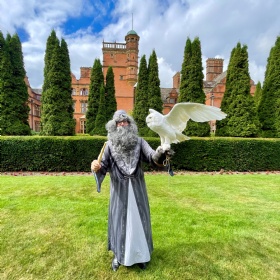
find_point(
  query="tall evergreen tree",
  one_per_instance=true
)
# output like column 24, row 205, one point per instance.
column 96, row 82
column 191, row 87
column 14, row 94
column 268, row 109
column 258, row 94
column 111, row 103
column 237, row 103
column 141, row 107
column 67, row 85
column 2, row 45
column 52, row 42
column 154, row 94
column 186, row 73
column 57, row 116
column 101, row 118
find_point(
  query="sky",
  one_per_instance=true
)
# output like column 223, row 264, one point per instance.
column 163, row 26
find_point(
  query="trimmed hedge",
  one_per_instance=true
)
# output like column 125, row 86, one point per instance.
column 75, row 153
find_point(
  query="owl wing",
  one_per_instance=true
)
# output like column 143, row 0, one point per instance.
column 178, row 117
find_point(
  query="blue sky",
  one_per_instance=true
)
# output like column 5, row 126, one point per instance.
column 162, row 25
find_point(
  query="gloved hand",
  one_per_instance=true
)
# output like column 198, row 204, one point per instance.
column 159, row 155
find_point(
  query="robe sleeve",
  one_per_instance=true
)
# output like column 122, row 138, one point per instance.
column 105, row 165
column 147, row 151
column 147, row 156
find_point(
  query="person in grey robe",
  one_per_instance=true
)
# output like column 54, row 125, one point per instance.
column 129, row 224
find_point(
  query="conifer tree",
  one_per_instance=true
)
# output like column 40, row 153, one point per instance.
column 268, row 110
column 101, row 118
column 13, row 90
column 96, row 82
column 110, row 97
column 141, row 107
column 52, row 41
column 258, row 94
column 67, row 86
column 2, row 72
column 154, row 93
column 237, row 103
column 57, row 114
column 6, row 88
column 2, row 45
column 191, row 87
column 186, row 73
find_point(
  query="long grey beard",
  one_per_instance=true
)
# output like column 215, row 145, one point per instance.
column 124, row 139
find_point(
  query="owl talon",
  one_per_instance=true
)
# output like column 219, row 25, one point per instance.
column 166, row 147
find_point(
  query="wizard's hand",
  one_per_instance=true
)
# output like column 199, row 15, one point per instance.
column 95, row 165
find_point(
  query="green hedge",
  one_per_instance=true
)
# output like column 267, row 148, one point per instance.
column 36, row 153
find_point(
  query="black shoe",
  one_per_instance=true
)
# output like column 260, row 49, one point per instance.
column 115, row 264
column 143, row 265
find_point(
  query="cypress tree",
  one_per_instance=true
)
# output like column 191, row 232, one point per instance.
column 2, row 45
column 154, row 93
column 141, row 107
column 268, row 109
column 57, row 114
column 258, row 94
column 101, row 118
column 14, row 94
column 52, row 41
column 185, row 72
column 96, row 82
column 191, row 87
column 66, row 87
column 111, row 103
column 241, row 120
column 6, row 90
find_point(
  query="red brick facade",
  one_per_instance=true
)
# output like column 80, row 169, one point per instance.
column 123, row 57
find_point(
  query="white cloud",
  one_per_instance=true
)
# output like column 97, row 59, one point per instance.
column 162, row 25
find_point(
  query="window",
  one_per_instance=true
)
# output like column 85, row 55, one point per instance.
column 37, row 126
column 121, row 77
column 73, row 91
column 83, row 107
column 84, row 91
column 37, row 110
column 82, row 126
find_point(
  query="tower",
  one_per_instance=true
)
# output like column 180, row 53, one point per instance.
column 214, row 67
column 123, row 57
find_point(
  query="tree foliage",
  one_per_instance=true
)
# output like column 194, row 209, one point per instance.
column 154, row 92
column 13, row 90
column 110, row 94
column 258, row 94
column 57, row 104
column 101, row 118
column 269, row 105
column 96, row 82
column 141, row 107
column 237, row 103
column 191, row 85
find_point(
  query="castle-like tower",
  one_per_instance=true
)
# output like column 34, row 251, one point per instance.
column 214, row 67
column 123, row 57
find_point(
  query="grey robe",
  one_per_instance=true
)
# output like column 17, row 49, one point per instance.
column 122, row 174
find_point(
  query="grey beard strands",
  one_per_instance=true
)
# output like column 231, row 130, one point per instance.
column 124, row 139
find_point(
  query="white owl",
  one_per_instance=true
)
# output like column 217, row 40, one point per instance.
column 169, row 127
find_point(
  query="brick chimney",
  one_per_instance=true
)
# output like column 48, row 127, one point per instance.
column 85, row 72
column 214, row 67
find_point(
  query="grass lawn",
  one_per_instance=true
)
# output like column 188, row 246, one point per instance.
column 204, row 227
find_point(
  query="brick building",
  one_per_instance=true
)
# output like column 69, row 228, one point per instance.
column 34, row 103
column 123, row 57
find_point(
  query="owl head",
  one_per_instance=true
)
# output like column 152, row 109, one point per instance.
column 154, row 119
